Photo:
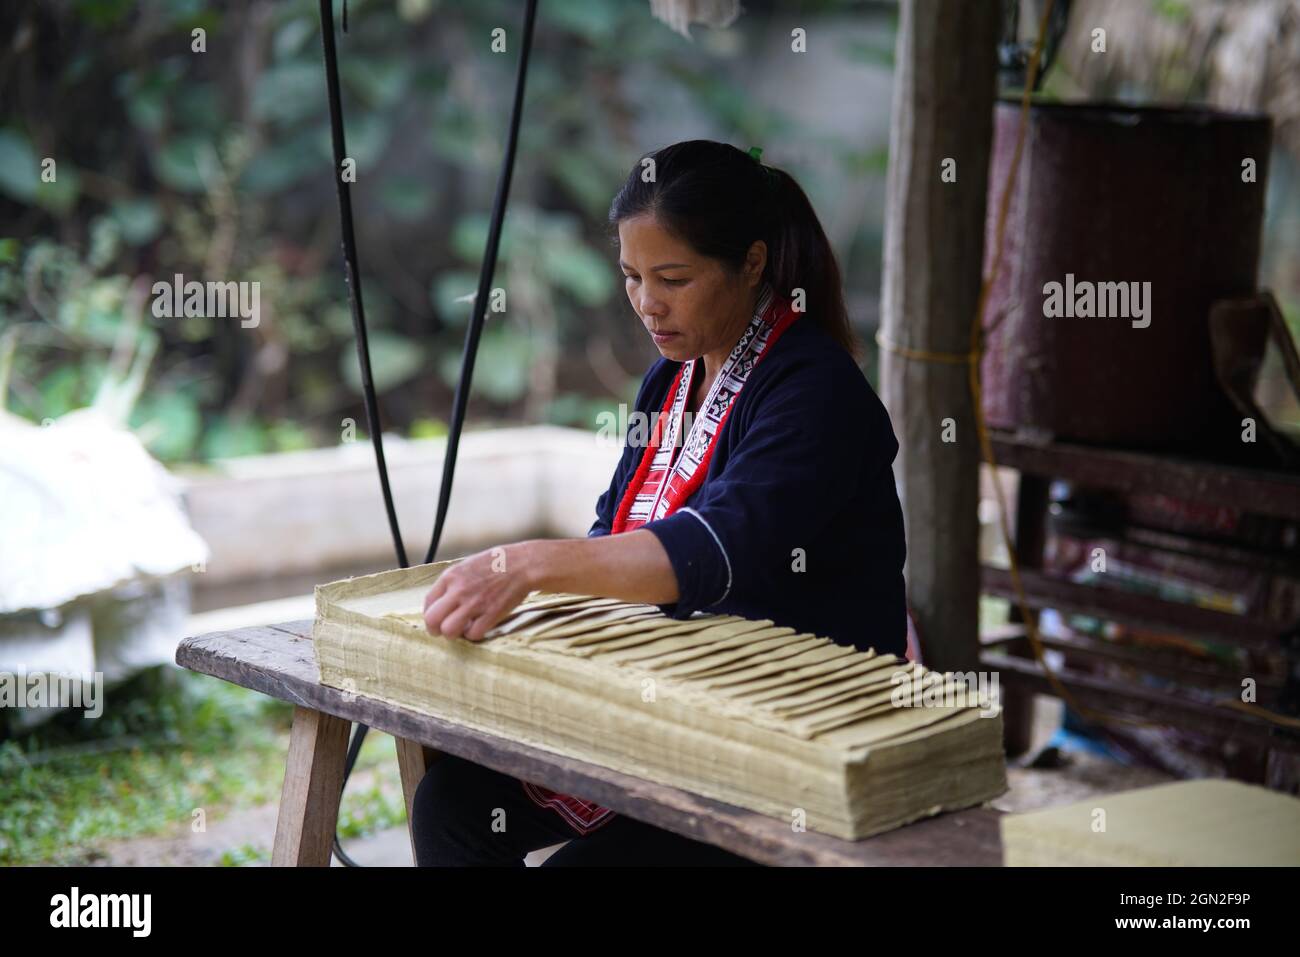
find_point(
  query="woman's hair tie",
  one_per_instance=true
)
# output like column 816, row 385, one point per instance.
column 771, row 177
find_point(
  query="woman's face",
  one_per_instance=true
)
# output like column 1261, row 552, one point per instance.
column 688, row 303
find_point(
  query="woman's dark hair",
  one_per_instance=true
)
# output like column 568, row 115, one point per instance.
column 720, row 200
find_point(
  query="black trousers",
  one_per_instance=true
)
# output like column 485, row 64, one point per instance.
column 466, row 815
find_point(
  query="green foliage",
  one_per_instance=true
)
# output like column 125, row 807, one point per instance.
column 366, row 811
column 218, row 166
column 394, row 359
column 244, row 856
column 168, row 742
column 19, row 171
column 501, row 373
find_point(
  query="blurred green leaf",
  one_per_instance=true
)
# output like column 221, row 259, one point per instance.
column 578, row 270
column 877, row 51
column 454, row 134
column 448, row 287
column 286, row 436
column 874, row 161
column 501, row 367
column 61, row 391
column 200, row 106
column 428, row 429
column 380, row 81
column 579, row 411
column 60, row 195
column 20, row 174
column 144, row 94
column 225, row 439
column 169, row 424
column 105, row 240
column 292, row 35
column 584, row 179
column 393, row 359
column 289, row 92
column 285, row 163
column 406, row 198
column 183, row 11
column 469, row 237
column 139, row 219
column 94, row 311
column 595, row 21
column 177, row 163
column 1176, row 10
column 103, row 13
column 368, row 136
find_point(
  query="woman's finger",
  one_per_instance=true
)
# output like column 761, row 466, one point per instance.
column 437, row 591
column 455, row 624
column 436, row 612
column 484, row 623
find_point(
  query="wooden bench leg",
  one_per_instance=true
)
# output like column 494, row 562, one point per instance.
column 413, row 759
column 313, row 786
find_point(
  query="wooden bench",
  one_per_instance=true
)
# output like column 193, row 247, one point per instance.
column 278, row 660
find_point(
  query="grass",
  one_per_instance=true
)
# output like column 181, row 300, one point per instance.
column 169, row 742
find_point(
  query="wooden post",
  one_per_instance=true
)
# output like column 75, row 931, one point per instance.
column 944, row 91
column 313, row 785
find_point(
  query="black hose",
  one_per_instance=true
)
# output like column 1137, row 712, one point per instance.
column 472, row 335
column 353, row 272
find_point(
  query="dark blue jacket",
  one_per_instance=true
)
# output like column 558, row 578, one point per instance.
column 798, row 519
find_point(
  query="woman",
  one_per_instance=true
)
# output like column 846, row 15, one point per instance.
column 766, row 491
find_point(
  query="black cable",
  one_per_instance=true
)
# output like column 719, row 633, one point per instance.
column 473, row 332
column 353, row 272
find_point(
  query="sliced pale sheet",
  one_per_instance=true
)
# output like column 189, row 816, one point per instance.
column 793, row 645
column 888, row 723
column 520, row 621
column 637, row 634
column 645, row 656
column 860, row 684
column 698, row 660
column 824, row 670
column 658, row 626
column 588, row 621
column 545, row 600
column 852, row 675
column 832, row 717
column 845, row 712
column 829, row 652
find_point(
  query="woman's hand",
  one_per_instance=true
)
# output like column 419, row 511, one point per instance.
column 476, row 593
column 471, row 597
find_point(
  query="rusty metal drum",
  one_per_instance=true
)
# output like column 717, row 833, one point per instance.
column 1126, row 225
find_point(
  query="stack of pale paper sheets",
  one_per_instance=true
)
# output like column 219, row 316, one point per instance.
column 786, row 724
column 1207, row 823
